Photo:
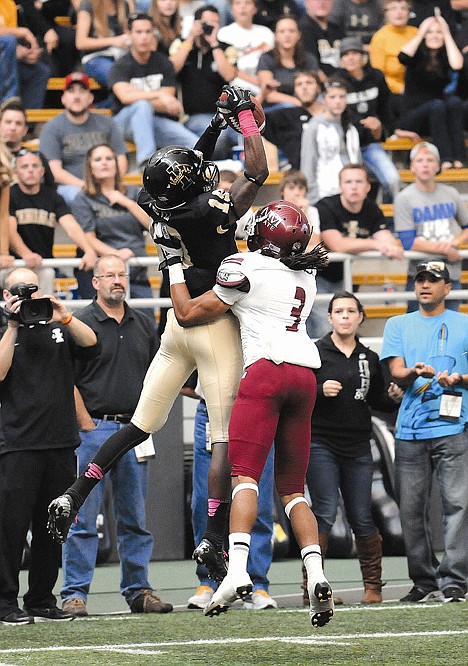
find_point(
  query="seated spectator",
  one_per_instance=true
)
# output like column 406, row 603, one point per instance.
column 270, row 11
column 249, row 40
column 429, row 59
column 101, row 36
column 387, row 43
column 144, row 103
column 320, row 36
column 293, row 189
column 329, row 142
column 114, row 223
column 187, row 9
column 167, row 21
column 276, row 69
column 6, row 178
column 21, row 69
column 357, row 18
column 13, row 130
column 35, row 209
column 66, row 138
column 285, row 125
column 369, row 99
column 204, row 65
column 431, row 217
column 349, row 222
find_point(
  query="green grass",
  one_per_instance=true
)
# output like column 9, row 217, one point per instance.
column 426, row 634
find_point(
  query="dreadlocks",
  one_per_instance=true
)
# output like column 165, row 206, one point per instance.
column 317, row 258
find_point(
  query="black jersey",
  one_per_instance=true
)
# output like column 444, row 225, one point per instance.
column 206, row 234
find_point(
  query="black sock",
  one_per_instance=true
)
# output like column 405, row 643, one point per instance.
column 216, row 525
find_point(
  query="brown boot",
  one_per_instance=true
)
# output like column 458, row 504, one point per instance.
column 323, row 543
column 369, row 551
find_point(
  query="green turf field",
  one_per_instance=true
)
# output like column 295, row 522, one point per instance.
column 433, row 633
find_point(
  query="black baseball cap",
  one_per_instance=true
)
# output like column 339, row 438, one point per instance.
column 436, row 268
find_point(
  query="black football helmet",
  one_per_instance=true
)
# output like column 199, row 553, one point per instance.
column 175, row 174
column 279, row 229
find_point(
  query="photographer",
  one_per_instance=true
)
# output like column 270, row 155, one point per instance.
column 37, row 458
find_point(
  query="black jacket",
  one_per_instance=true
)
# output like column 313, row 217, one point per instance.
column 343, row 423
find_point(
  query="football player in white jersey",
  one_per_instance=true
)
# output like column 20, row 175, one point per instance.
column 271, row 291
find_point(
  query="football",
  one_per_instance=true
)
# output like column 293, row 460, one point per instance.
column 232, row 121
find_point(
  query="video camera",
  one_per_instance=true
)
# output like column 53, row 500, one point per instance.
column 31, row 311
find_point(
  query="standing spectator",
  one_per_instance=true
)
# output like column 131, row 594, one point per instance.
column 144, row 103
column 35, row 209
column 369, row 99
column 128, row 340
column 431, row 217
column 203, row 63
column 387, row 43
column 270, row 11
column 426, row 352
column 167, row 21
column 259, row 287
column 285, row 124
column 37, row 457
column 329, row 141
column 13, row 129
column 249, row 40
column 350, row 381
column 114, row 223
column 357, row 18
column 101, row 36
column 21, row 70
column 277, row 69
column 429, row 59
column 320, row 36
column 6, row 177
column 349, row 222
column 66, row 139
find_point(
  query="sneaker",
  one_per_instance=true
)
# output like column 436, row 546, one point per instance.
column 453, row 594
column 17, row 617
column 52, row 614
column 61, row 516
column 215, row 561
column 148, row 602
column 228, row 592
column 259, row 600
column 418, row 595
column 75, row 606
column 201, row 598
column 321, row 603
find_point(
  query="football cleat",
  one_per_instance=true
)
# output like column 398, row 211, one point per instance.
column 226, row 593
column 61, row 516
column 215, row 561
column 321, row 604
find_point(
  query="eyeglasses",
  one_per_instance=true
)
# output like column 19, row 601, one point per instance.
column 110, row 276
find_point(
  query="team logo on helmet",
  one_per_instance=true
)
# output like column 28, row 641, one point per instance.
column 179, row 175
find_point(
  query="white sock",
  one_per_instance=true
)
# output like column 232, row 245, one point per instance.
column 239, row 546
column 312, row 558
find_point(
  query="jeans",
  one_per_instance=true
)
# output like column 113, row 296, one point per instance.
column 149, row 132
column 98, row 68
column 33, row 84
column 317, row 323
column 442, row 119
column 134, row 541
column 261, row 549
column 380, row 164
column 227, row 139
column 9, row 81
column 415, row 462
column 327, row 474
column 68, row 192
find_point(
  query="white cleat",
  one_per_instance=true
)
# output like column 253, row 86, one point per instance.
column 321, row 603
column 226, row 593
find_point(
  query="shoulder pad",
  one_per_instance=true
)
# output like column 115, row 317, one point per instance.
column 230, row 275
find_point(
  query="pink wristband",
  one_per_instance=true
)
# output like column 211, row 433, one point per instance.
column 247, row 123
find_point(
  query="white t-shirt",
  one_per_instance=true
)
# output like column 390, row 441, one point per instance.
column 249, row 45
column 273, row 312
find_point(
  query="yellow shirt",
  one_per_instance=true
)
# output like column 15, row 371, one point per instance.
column 8, row 15
column 384, row 48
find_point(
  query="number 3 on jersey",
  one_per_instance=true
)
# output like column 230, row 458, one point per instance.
column 297, row 309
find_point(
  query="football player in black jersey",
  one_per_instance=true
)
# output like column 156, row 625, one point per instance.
column 180, row 190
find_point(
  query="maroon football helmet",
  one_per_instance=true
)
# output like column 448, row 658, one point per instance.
column 279, row 229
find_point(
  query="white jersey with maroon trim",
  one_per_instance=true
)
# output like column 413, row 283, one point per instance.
column 272, row 303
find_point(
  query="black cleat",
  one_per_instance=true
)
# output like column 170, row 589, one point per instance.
column 61, row 516
column 321, row 604
column 215, row 561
